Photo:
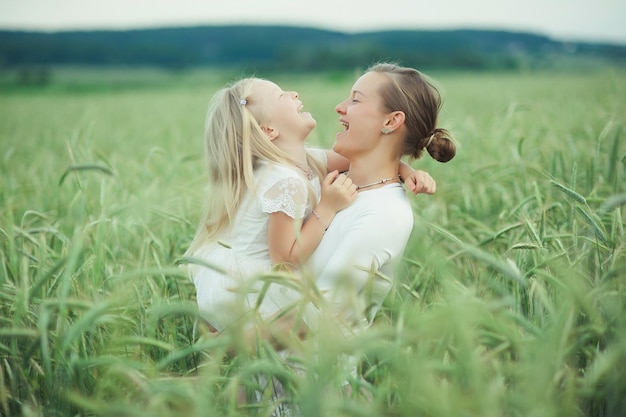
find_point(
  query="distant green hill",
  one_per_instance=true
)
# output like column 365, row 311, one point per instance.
column 295, row 48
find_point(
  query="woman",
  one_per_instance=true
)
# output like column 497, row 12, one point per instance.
column 391, row 112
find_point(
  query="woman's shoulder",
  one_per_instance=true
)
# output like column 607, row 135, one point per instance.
column 384, row 214
column 394, row 211
column 388, row 202
column 393, row 192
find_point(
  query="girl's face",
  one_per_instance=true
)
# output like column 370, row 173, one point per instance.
column 362, row 115
column 281, row 111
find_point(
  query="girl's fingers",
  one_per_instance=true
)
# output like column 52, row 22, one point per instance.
column 331, row 177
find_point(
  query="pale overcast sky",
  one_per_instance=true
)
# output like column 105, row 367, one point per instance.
column 586, row 20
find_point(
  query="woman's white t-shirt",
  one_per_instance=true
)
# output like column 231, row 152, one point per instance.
column 355, row 261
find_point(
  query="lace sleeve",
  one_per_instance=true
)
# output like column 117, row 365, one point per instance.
column 288, row 195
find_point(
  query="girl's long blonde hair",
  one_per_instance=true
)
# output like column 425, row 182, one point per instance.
column 235, row 143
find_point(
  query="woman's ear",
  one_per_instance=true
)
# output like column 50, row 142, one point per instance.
column 394, row 121
column 270, row 132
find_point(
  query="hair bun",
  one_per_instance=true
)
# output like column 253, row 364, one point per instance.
column 440, row 146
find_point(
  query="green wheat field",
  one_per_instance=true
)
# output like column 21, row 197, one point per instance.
column 510, row 301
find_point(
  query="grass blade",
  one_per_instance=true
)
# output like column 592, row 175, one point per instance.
column 85, row 167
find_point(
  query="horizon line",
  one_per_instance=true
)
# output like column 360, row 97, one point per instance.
column 141, row 27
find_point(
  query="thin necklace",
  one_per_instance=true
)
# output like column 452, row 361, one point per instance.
column 308, row 172
column 384, row 180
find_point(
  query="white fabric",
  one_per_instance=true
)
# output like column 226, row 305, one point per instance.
column 370, row 234
column 242, row 250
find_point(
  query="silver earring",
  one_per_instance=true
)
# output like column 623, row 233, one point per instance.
column 385, row 130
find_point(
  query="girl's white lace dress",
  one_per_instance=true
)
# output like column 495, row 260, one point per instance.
column 230, row 291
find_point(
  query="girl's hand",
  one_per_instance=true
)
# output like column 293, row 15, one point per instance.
column 420, row 182
column 338, row 191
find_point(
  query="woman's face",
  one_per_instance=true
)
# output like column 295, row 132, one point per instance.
column 362, row 115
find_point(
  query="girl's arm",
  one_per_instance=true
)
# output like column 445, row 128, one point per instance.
column 290, row 244
column 417, row 181
column 336, row 162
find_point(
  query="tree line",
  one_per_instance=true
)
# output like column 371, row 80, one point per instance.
column 296, row 48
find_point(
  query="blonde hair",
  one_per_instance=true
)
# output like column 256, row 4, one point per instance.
column 234, row 145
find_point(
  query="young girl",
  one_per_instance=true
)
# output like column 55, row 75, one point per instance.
column 267, row 206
